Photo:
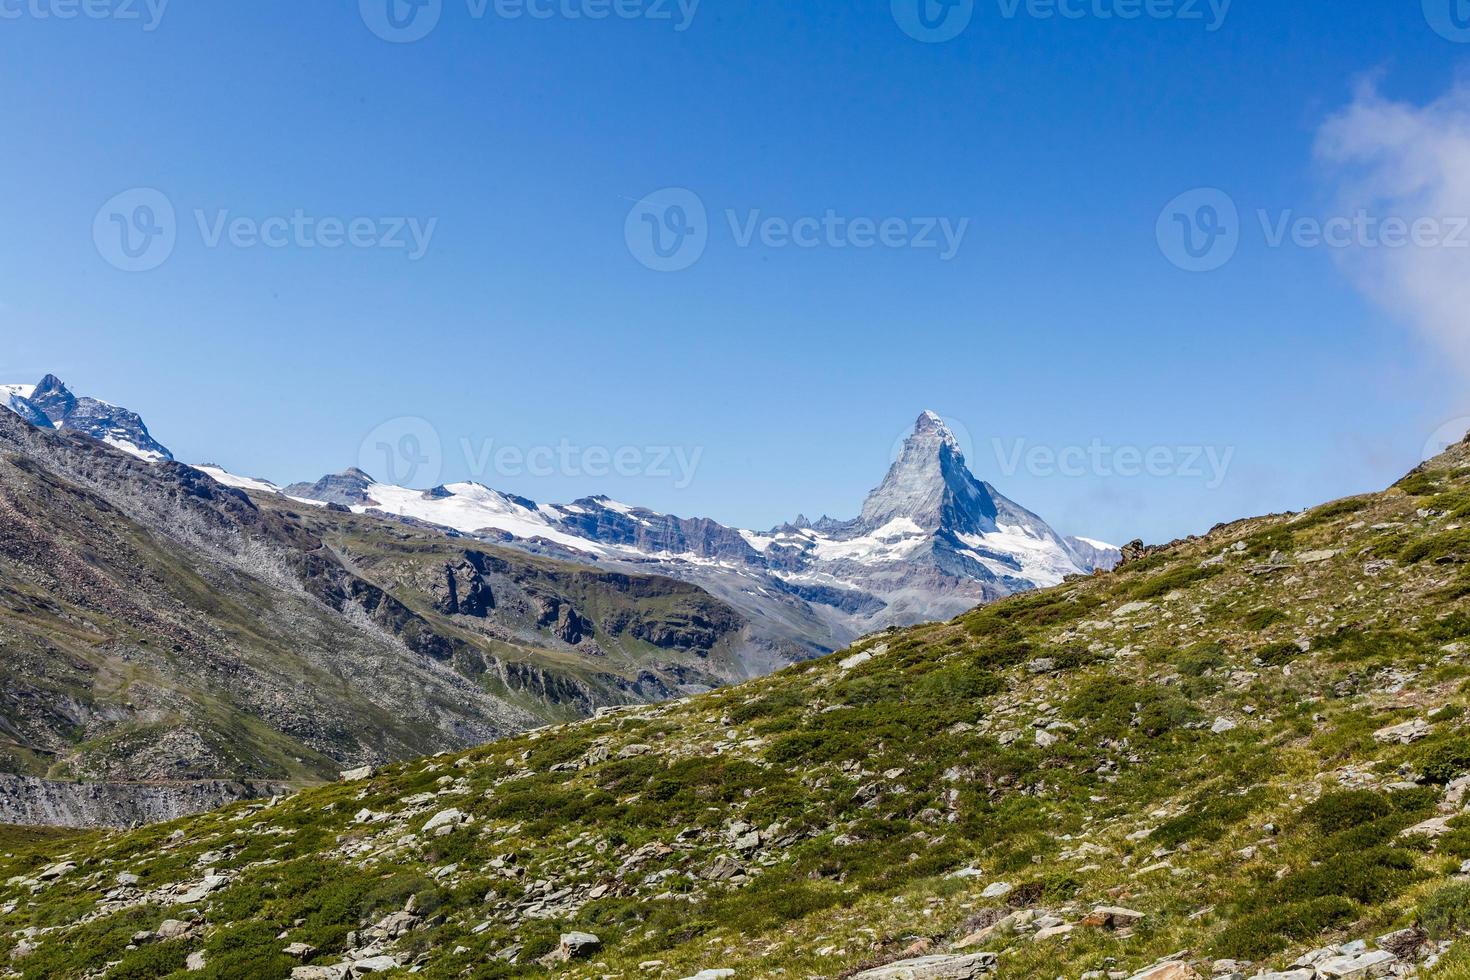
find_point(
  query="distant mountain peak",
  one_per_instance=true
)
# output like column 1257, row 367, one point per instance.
column 929, row 419
column 53, row 397
column 931, row 485
column 348, row 488
column 932, row 541
column 52, row 403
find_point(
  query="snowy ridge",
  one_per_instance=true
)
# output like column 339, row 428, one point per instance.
column 471, row 508
column 931, row 542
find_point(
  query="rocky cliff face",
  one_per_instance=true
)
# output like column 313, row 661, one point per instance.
column 27, row 801
column 602, row 520
column 931, row 541
column 930, row 485
column 348, row 489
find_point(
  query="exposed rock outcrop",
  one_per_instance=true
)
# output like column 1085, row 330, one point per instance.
column 29, row 801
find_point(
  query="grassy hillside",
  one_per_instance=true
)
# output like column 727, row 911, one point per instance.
column 1241, row 747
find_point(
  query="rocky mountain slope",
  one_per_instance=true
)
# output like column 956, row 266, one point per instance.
column 158, row 627
column 1243, row 754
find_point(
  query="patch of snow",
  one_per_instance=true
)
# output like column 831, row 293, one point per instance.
column 1042, row 559
column 760, row 542
column 894, row 541
column 472, row 507
column 127, row 446
column 238, row 482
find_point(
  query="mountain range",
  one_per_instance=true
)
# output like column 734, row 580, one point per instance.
column 1244, row 754
column 931, row 541
column 198, row 643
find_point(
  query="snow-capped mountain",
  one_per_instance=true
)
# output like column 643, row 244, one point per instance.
column 932, row 541
column 51, row 404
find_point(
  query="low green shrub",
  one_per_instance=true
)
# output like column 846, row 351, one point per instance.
column 1262, row 934
column 1445, row 914
column 1445, row 760
column 1336, row 812
column 1259, row 619
column 1172, row 581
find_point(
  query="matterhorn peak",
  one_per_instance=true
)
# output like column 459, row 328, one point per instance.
column 930, row 485
column 930, row 420
column 933, row 430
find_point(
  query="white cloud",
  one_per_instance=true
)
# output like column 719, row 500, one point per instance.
column 1396, row 159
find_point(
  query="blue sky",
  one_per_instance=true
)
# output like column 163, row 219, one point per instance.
column 529, row 320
